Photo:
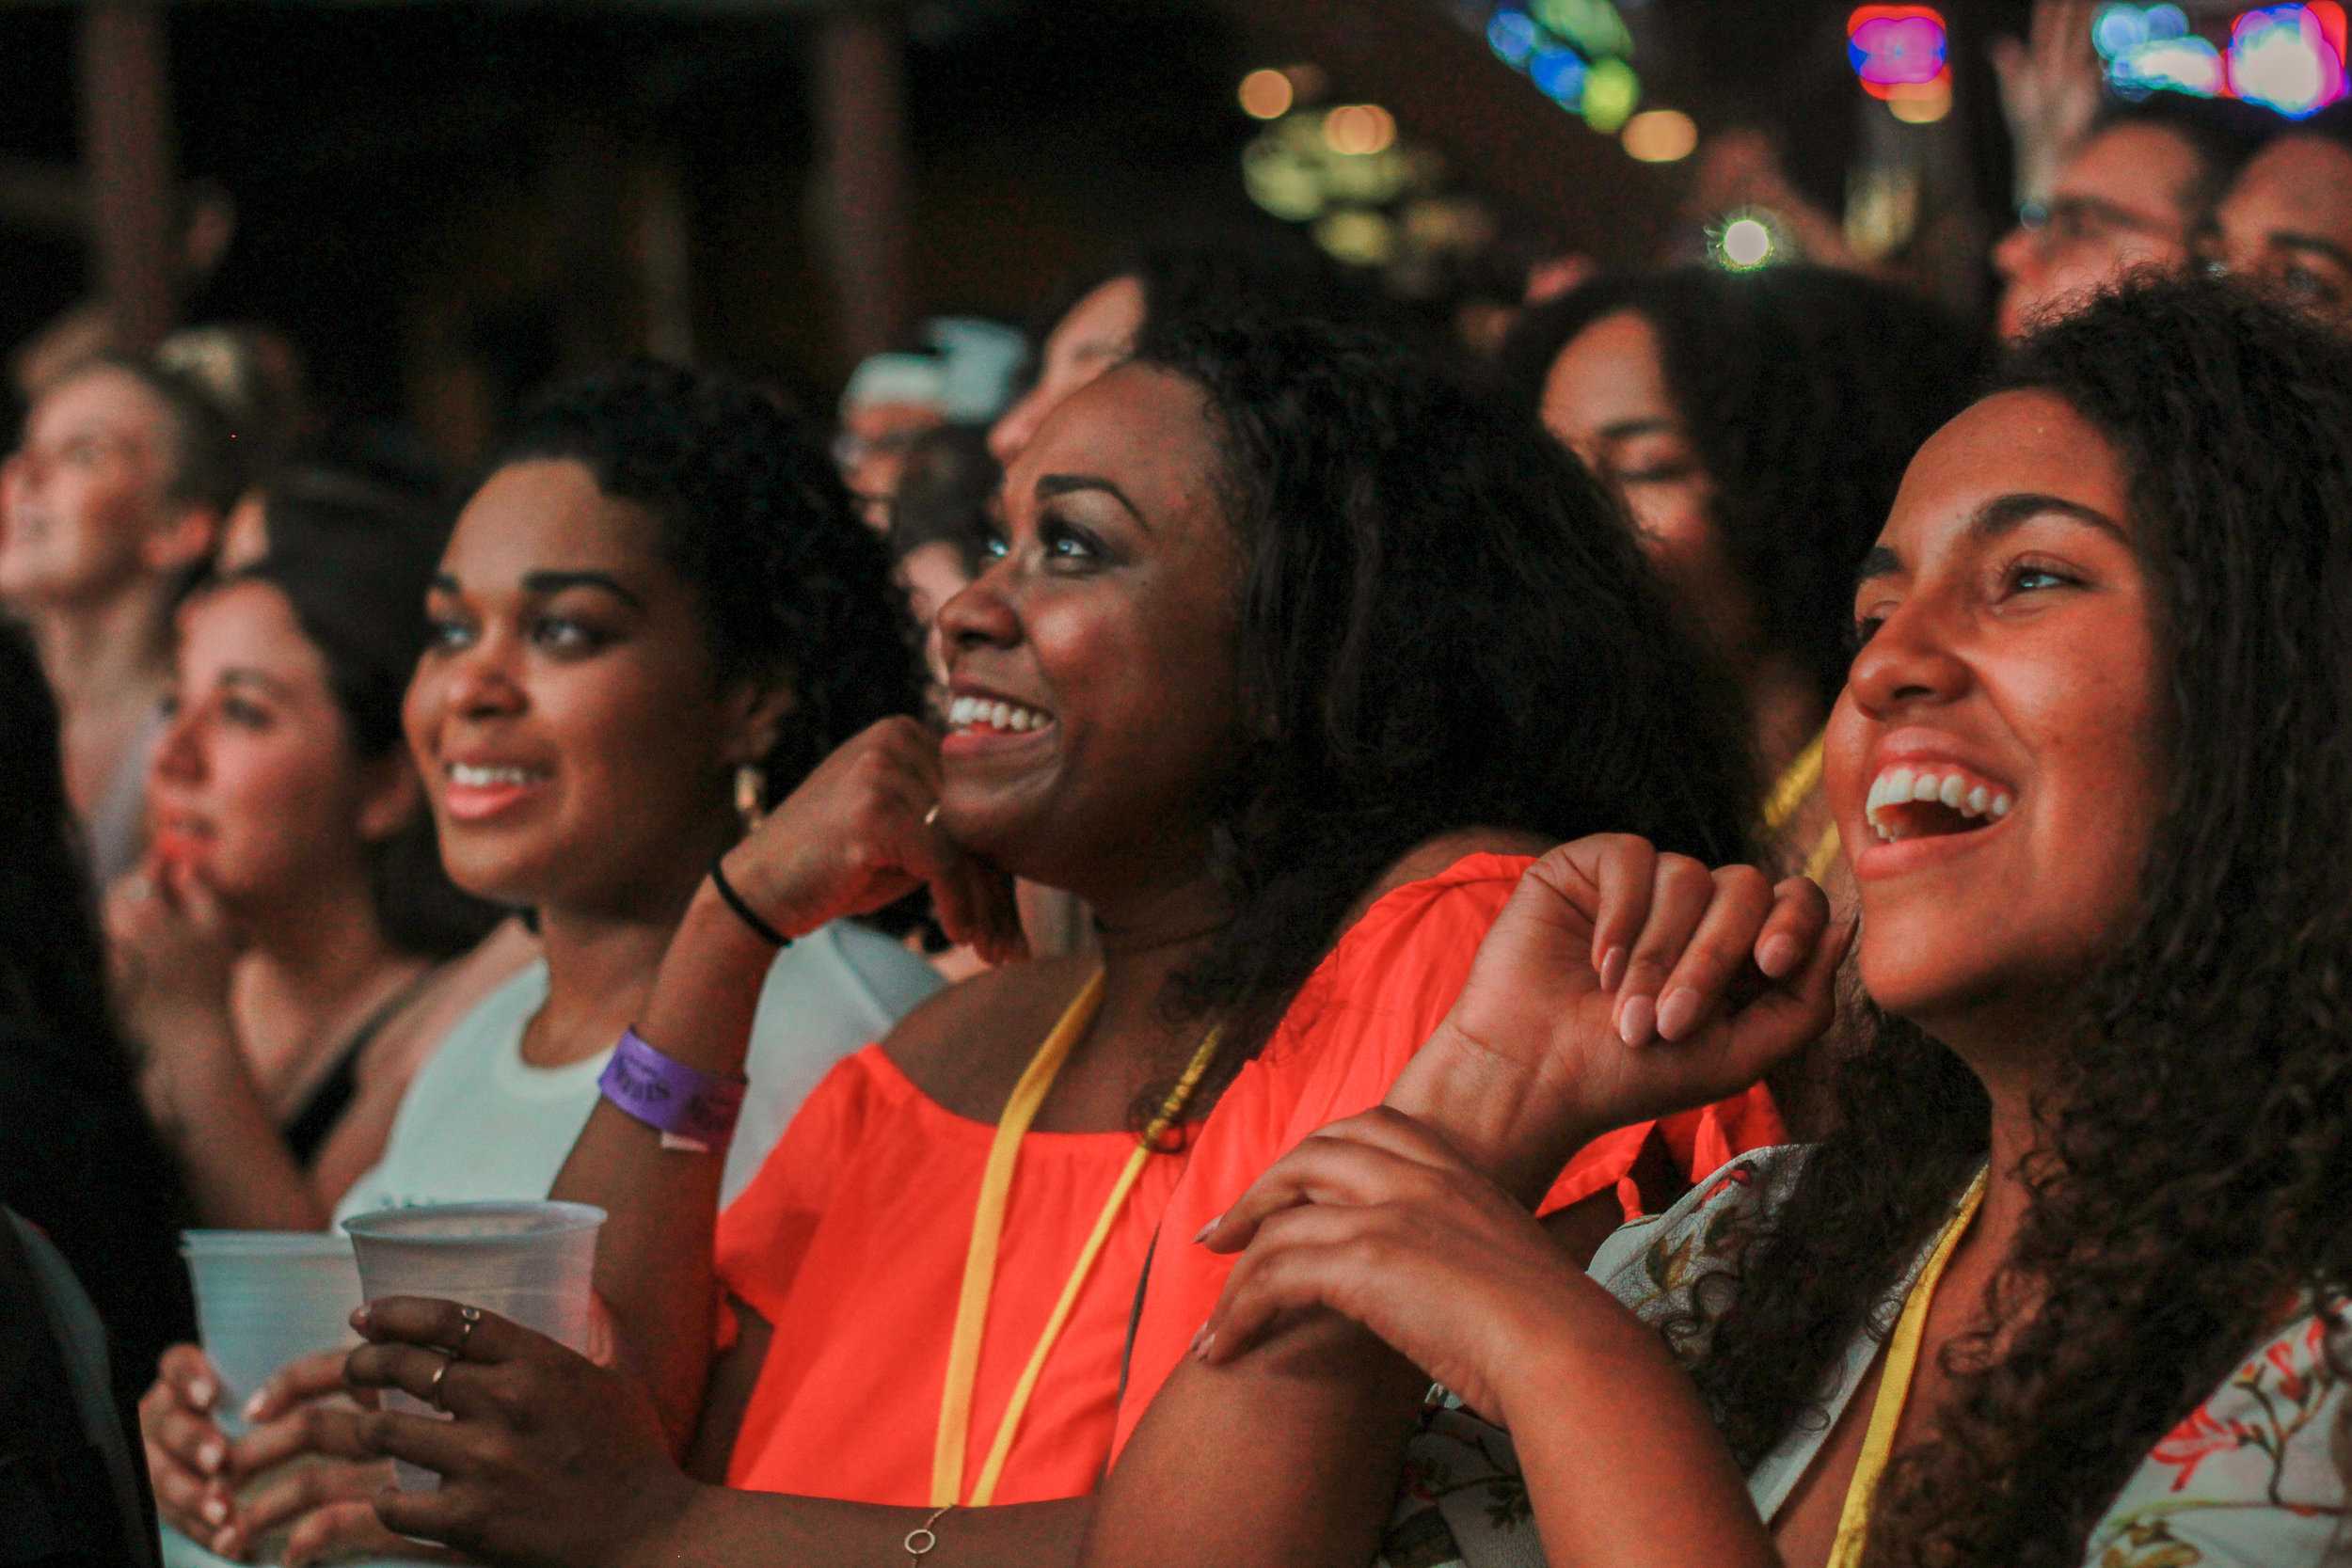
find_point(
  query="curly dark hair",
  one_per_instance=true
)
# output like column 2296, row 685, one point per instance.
column 352, row 561
column 1805, row 393
column 753, row 518
column 1444, row 623
column 2190, row 1178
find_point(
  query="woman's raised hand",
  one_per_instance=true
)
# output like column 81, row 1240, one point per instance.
column 1381, row 1220
column 861, row 832
column 172, row 949
column 546, row 1458
column 1618, row 985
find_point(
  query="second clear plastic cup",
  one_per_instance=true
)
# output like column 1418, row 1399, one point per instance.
column 264, row 1298
column 529, row 1263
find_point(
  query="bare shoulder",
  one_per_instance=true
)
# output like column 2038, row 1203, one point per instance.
column 1433, row 855
column 956, row 1045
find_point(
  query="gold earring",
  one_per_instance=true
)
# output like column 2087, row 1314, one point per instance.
column 751, row 795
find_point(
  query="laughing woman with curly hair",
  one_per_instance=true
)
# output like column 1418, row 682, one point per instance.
column 2067, row 1284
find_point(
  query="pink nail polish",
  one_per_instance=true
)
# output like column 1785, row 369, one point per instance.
column 208, row 1458
column 1202, row 1234
column 1777, row 957
column 1612, row 968
column 1677, row 1012
column 253, row 1406
column 215, row 1511
column 1637, row 1020
column 1207, row 1343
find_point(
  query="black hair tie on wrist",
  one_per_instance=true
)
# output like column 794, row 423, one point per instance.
column 743, row 910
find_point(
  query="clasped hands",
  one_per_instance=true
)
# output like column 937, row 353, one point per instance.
column 1617, row 986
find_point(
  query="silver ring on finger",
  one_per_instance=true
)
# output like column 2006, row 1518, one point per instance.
column 468, row 1316
column 433, row 1389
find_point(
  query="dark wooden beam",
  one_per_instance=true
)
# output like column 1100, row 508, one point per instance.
column 860, row 87
column 127, row 149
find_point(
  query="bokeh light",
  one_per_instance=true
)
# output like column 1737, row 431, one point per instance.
column 2282, row 56
column 1922, row 103
column 1747, row 243
column 1659, row 137
column 1267, row 94
column 1360, row 129
column 1611, row 93
column 1891, row 46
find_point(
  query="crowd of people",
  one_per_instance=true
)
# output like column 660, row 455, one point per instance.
column 1708, row 937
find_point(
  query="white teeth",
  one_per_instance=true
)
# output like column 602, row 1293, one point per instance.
column 975, row 712
column 1953, row 791
column 472, row 777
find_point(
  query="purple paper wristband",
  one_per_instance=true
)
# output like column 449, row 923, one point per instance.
column 684, row 1103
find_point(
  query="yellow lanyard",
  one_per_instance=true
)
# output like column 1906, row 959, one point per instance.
column 1787, row 798
column 988, row 1229
column 1902, row 1357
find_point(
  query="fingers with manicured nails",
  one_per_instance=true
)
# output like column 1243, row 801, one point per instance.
column 294, row 1493
column 190, row 1377
column 1622, row 870
column 339, row 1529
column 1370, row 1158
column 320, row 1426
column 1680, row 891
column 441, row 1325
column 1793, row 930
column 310, row 1377
column 1302, row 1261
column 1717, row 953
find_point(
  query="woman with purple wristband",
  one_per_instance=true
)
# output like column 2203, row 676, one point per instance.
column 656, row 608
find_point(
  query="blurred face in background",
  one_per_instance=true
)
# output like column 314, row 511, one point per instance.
column 932, row 575
column 2121, row 204
column 256, row 785
column 2286, row 224
column 872, row 448
column 575, row 742
column 1607, row 399
column 84, row 501
column 1098, row 332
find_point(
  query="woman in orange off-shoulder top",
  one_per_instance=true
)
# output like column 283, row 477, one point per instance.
column 1292, row 653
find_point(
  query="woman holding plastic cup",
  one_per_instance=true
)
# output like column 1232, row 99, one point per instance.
column 657, row 606
column 1238, row 676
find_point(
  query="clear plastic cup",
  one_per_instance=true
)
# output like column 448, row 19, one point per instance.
column 529, row 1263
column 264, row 1298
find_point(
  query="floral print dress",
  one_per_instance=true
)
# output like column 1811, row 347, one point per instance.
column 2252, row 1479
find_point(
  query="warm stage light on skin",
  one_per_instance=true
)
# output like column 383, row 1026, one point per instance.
column 1659, row 137
column 1267, row 94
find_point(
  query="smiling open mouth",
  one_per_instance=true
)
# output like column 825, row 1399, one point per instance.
column 1934, row 802
column 987, row 715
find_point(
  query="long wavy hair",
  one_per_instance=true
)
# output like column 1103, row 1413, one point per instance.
column 1805, row 393
column 2189, row 1181
column 1444, row 623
